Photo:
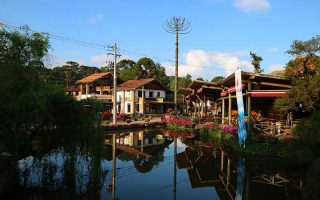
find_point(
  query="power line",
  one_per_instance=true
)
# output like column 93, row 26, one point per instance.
column 58, row 37
column 103, row 47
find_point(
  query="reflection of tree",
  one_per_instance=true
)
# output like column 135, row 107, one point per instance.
column 145, row 164
column 71, row 172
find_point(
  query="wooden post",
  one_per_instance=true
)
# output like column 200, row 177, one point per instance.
column 249, row 105
column 223, row 110
column 133, row 101
column 222, row 161
column 87, row 88
column 123, row 102
column 142, row 106
column 229, row 109
column 187, row 106
column 81, row 89
column 202, row 108
column 228, row 171
column 132, row 139
column 101, row 89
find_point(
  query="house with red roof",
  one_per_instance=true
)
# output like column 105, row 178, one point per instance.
column 144, row 96
column 97, row 86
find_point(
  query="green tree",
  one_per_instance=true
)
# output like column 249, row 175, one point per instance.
column 217, row 79
column 200, row 79
column 25, row 101
column 143, row 68
column 304, row 73
column 126, row 70
column 21, row 55
column 256, row 60
column 183, row 82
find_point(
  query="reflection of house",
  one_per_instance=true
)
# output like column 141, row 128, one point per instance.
column 202, row 169
column 139, row 143
column 98, row 86
column 139, row 140
column 144, row 96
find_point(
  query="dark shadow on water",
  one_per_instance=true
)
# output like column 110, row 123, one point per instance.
column 148, row 165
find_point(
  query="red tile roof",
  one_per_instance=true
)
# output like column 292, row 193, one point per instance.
column 72, row 89
column 134, row 84
column 93, row 77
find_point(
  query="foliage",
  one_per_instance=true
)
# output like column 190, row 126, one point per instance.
column 256, row 62
column 200, row 79
column 147, row 119
column 254, row 148
column 27, row 105
column 183, row 82
column 125, row 69
column 143, row 68
column 306, row 147
column 217, row 79
column 311, row 190
column 304, row 73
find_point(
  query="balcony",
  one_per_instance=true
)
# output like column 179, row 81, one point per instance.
column 94, row 96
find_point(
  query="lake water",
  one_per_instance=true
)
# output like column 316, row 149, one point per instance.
column 154, row 164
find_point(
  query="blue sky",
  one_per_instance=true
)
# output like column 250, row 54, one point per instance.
column 223, row 31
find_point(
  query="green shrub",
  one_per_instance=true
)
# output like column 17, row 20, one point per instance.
column 147, row 119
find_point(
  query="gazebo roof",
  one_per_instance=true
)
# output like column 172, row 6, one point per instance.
column 184, row 91
column 230, row 80
column 198, row 84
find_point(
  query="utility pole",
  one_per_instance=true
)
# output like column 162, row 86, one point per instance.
column 177, row 25
column 114, row 96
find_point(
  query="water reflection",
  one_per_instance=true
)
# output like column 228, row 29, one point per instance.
column 151, row 164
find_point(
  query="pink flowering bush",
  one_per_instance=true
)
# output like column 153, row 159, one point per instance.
column 180, row 122
column 206, row 125
column 169, row 110
column 121, row 116
column 228, row 128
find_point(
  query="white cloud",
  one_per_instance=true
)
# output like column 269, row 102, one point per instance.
column 54, row 61
column 100, row 59
column 95, row 19
column 273, row 49
column 252, row 5
column 275, row 67
column 196, row 61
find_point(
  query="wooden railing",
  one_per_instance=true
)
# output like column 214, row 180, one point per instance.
column 272, row 128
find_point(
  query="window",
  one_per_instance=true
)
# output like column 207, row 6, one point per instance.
column 158, row 94
column 129, row 108
column 139, row 93
column 150, row 94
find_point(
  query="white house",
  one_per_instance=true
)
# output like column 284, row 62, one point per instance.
column 143, row 96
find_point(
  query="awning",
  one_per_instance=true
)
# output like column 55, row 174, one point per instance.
column 233, row 89
column 267, row 93
column 223, row 94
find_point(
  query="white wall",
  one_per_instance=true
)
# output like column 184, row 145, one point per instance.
column 155, row 92
column 120, row 94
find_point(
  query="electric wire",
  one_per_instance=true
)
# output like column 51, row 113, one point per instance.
column 103, row 47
